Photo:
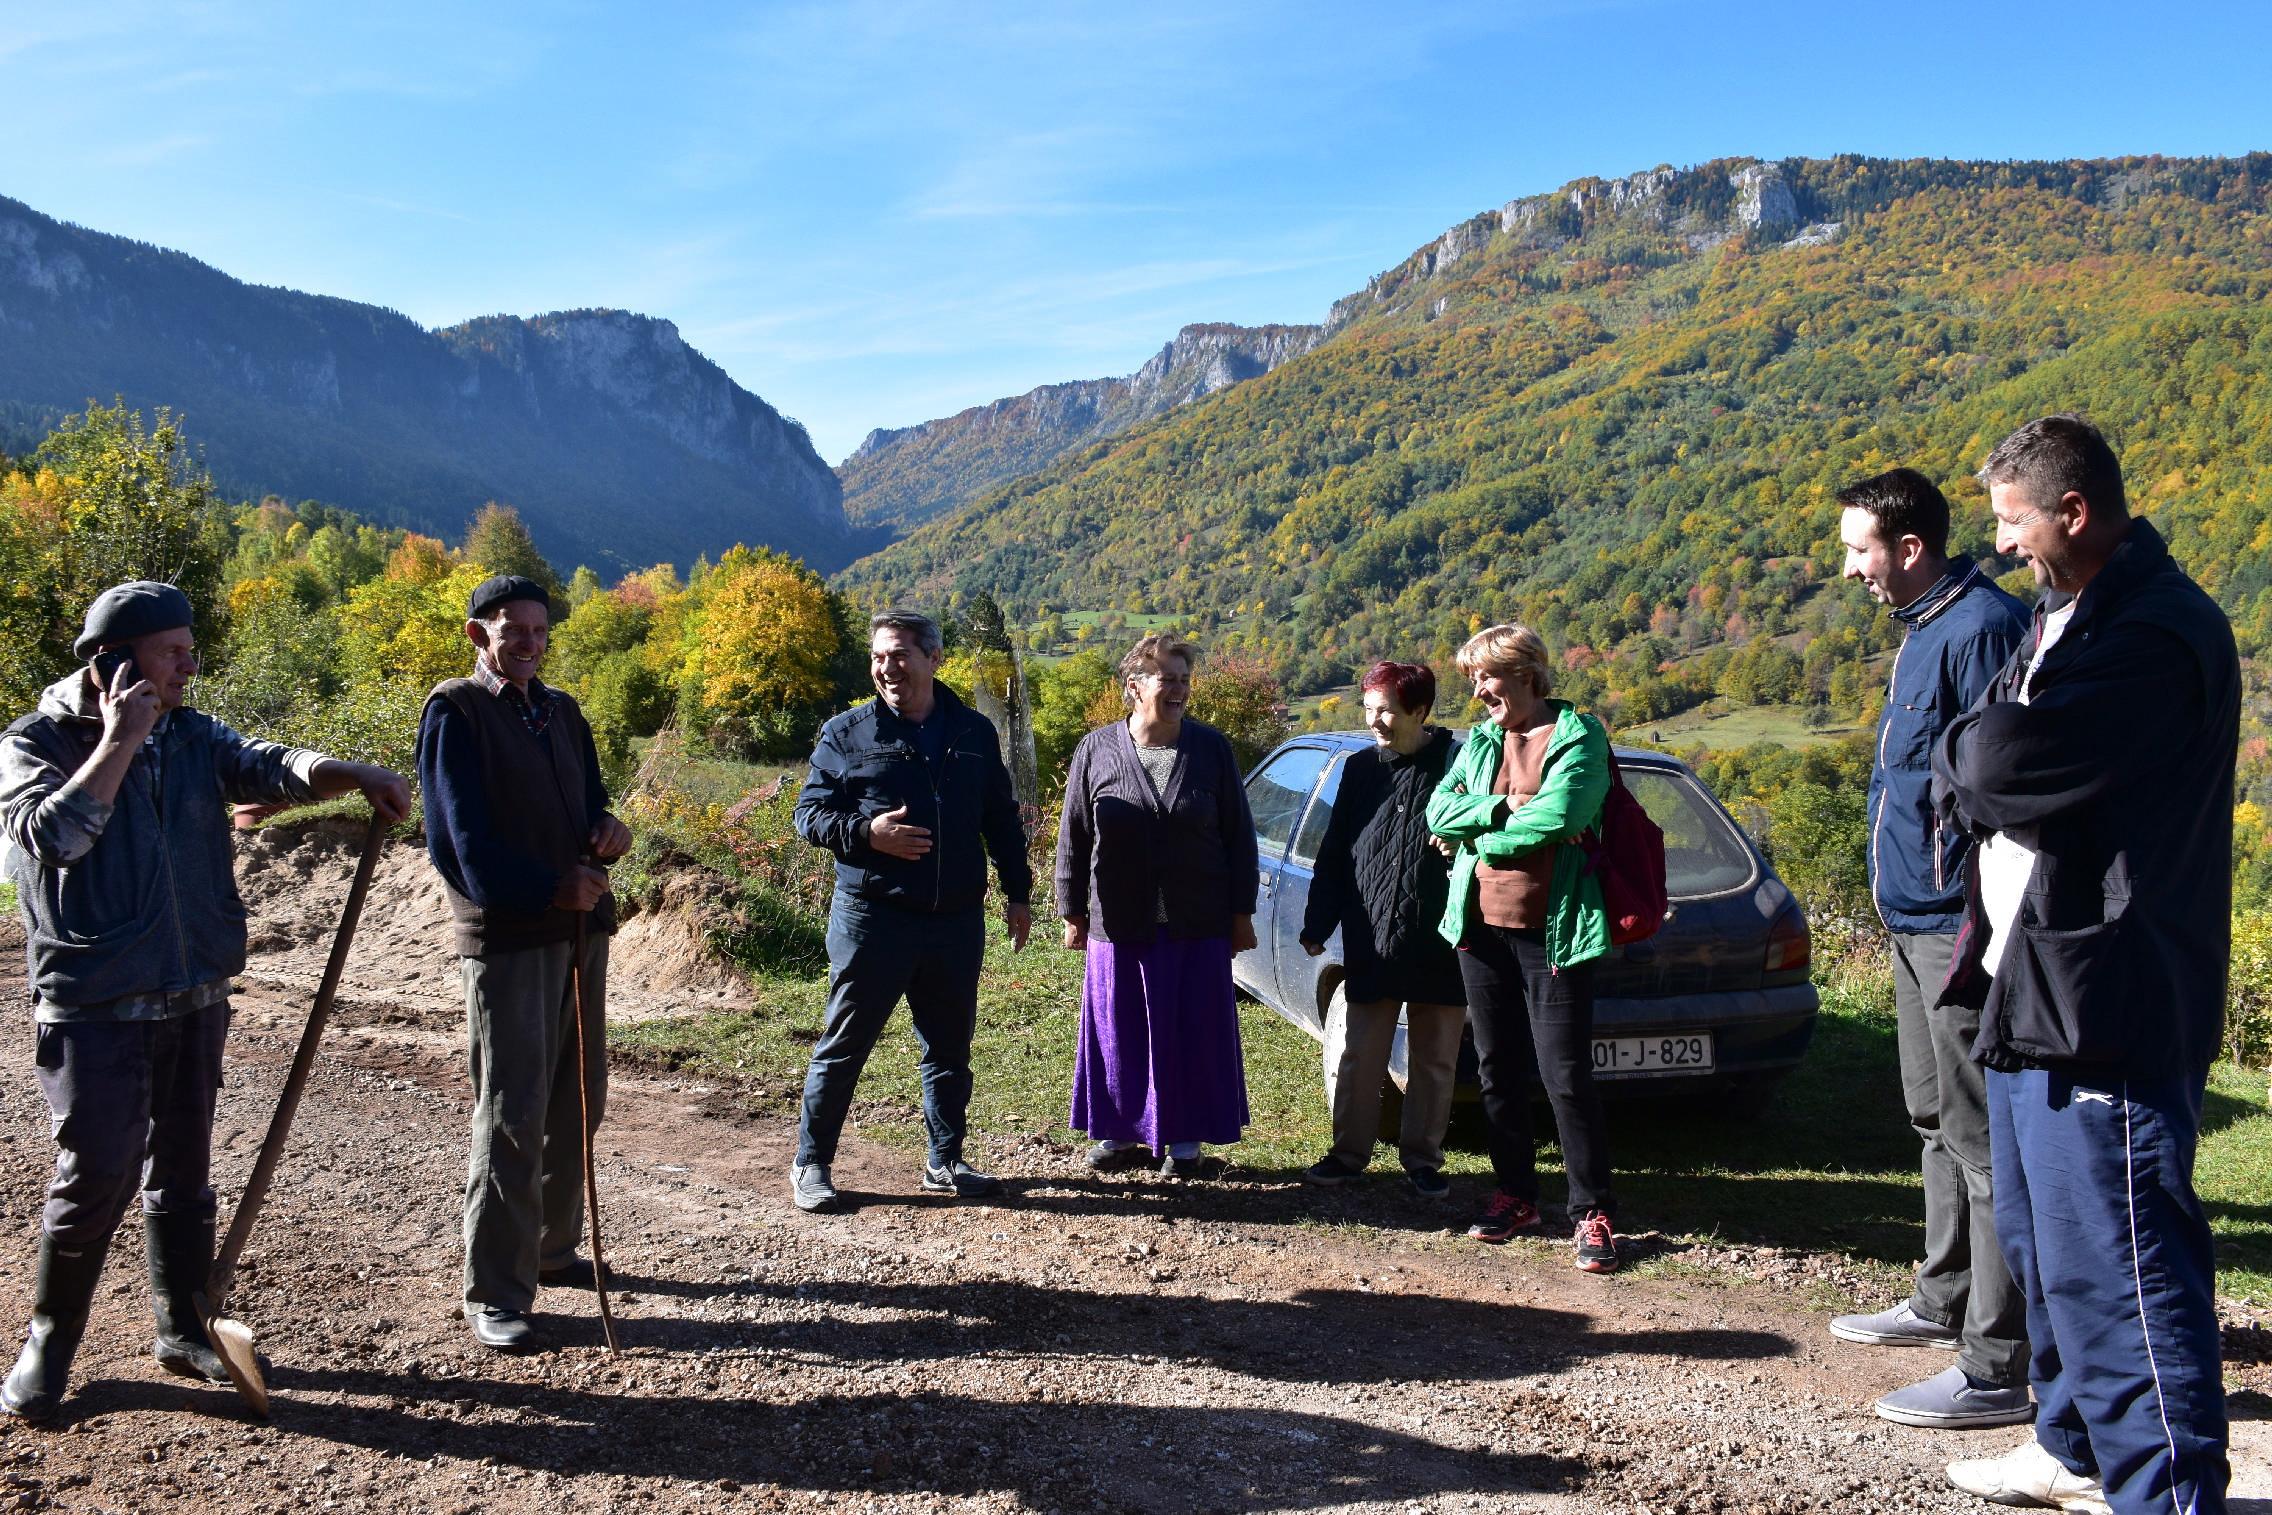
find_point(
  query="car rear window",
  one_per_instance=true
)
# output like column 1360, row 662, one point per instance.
column 1277, row 793
column 1704, row 853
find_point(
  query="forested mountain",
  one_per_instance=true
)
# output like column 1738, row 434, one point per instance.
column 1618, row 412
column 621, row 445
column 900, row 479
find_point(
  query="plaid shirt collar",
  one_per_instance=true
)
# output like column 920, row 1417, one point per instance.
column 534, row 707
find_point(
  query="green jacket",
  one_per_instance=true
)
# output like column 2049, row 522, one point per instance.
column 1570, row 791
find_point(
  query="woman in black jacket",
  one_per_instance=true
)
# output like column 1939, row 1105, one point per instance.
column 1382, row 885
column 1156, row 879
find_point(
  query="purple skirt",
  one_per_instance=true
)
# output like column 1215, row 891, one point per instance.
column 1159, row 1059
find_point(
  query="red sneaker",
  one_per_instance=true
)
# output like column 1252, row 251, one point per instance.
column 1597, row 1244
column 1503, row 1215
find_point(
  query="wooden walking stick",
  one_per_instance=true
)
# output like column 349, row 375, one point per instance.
column 232, row 1339
column 584, row 1101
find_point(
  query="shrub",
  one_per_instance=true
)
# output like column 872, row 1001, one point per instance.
column 2248, row 1001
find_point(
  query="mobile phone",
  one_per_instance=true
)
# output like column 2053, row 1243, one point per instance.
column 107, row 664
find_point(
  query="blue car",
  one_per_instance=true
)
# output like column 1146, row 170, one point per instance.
column 1719, row 1001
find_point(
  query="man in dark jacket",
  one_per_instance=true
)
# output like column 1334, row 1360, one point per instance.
column 1958, row 628
column 2098, row 773
column 1381, row 883
column 516, row 817
column 112, row 805
column 910, row 794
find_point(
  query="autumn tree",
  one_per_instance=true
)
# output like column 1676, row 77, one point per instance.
column 760, row 655
column 498, row 540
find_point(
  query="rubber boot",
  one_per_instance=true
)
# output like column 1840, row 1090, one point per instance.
column 66, row 1287
column 181, row 1255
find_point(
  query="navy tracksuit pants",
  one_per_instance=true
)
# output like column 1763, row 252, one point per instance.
column 2098, row 1219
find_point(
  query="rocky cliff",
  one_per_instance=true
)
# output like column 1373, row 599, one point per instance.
column 620, row 445
column 895, row 480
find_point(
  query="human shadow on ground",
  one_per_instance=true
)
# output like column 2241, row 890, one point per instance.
column 1318, row 1336
column 1116, row 1457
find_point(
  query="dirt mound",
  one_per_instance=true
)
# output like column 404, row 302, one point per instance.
column 294, row 880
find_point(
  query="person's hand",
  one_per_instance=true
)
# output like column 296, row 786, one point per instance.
column 580, row 888
column 1019, row 918
column 1076, row 932
column 388, row 792
column 130, row 709
column 1312, row 948
column 890, row 835
column 1443, row 844
column 1242, row 932
column 610, row 838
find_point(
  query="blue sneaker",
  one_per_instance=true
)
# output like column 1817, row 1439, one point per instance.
column 1900, row 1326
column 1953, row 1400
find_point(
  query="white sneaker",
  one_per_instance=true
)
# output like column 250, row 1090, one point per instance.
column 2031, row 1477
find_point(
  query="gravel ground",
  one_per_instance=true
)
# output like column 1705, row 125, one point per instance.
column 1084, row 1344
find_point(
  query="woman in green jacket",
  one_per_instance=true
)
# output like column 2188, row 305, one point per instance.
column 1528, row 920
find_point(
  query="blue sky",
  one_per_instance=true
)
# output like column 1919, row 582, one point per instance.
column 874, row 214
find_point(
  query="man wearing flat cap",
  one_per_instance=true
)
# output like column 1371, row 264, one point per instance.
column 113, row 799
column 516, row 823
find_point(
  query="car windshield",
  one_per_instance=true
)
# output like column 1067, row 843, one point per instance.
column 1703, row 852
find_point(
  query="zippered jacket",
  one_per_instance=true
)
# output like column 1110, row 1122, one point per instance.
column 138, row 897
column 2118, row 772
column 1138, row 865
column 1956, row 635
column 867, row 763
column 1571, row 787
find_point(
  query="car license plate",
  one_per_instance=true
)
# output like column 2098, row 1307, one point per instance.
column 1632, row 1056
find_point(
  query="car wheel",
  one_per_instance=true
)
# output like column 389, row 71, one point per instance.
column 1334, row 1040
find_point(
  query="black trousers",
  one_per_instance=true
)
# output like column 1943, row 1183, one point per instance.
column 1527, row 1017
column 131, row 1105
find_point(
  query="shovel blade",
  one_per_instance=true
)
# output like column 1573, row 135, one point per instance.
column 232, row 1339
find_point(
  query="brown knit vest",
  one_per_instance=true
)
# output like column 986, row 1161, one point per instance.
column 535, row 790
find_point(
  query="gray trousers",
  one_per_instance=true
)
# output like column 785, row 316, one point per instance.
column 524, row 1182
column 1360, row 1062
column 1963, row 1281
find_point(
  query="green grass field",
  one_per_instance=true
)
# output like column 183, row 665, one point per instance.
column 1831, row 1165
column 1721, row 729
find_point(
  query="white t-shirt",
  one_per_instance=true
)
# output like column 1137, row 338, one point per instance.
column 2005, row 862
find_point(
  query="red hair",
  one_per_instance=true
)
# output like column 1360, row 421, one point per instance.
column 1411, row 685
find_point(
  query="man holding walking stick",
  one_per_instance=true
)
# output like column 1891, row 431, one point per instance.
column 516, row 817
column 112, row 799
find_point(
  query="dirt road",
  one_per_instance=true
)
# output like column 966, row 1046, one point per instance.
column 1086, row 1344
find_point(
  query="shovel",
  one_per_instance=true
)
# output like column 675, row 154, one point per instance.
column 232, row 1339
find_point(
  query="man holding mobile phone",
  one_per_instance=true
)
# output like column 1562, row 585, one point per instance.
column 114, row 797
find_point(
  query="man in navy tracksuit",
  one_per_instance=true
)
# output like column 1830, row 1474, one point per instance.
column 2098, row 774
column 1958, row 629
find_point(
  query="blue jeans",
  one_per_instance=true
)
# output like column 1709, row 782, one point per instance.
column 2096, row 1212
column 877, row 955
column 131, row 1106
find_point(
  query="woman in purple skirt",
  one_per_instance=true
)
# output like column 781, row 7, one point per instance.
column 1156, row 878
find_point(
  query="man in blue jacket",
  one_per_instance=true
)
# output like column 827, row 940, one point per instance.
column 2098, row 773
column 112, row 801
column 1957, row 629
column 910, row 794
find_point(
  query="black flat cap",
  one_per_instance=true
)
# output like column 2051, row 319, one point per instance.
column 136, row 608
column 492, row 595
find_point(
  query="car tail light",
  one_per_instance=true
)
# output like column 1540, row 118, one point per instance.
column 1789, row 947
